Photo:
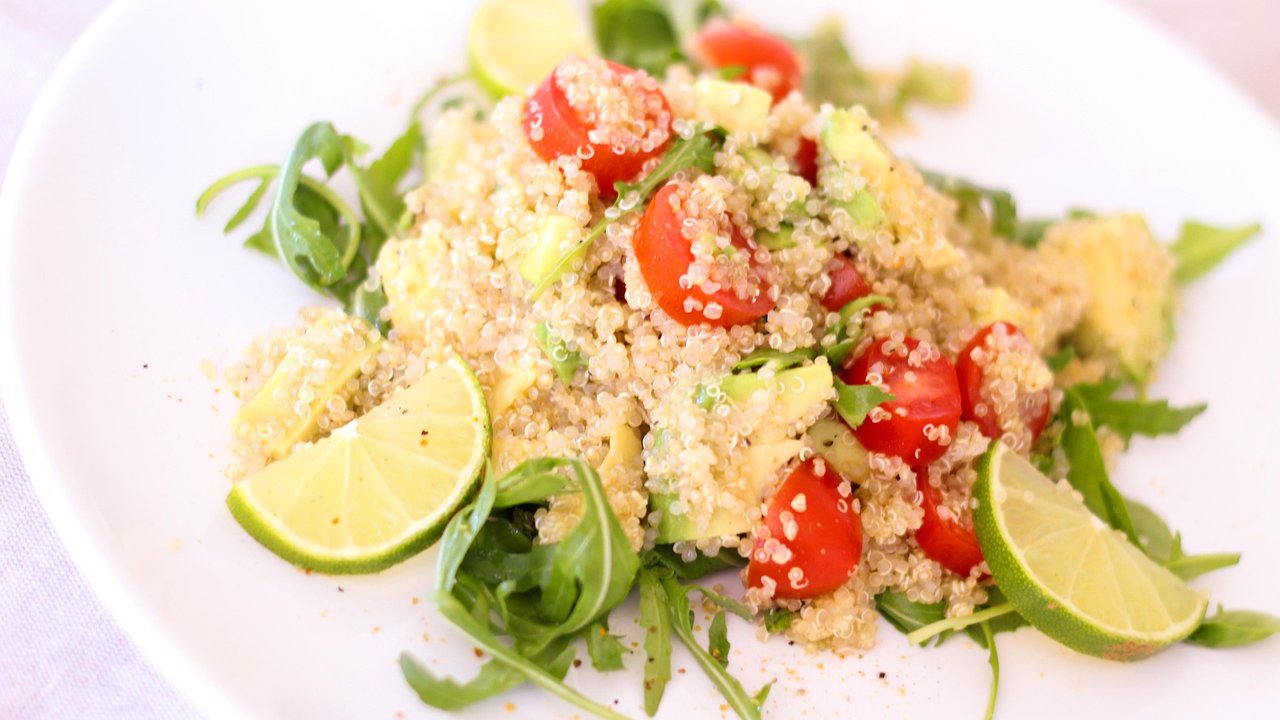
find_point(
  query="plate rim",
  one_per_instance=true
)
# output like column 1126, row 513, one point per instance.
column 169, row 659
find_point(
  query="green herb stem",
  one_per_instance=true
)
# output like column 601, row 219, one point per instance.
column 918, row 637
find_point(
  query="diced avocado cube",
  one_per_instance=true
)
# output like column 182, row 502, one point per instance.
column 835, row 443
column 864, row 209
column 763, row 462
column 275, row 404
column 564, row 362
column 848, row 139
column 799, row 390
column 1128, row 321
column 554, row 236
column 740, row 108
column 779, row 239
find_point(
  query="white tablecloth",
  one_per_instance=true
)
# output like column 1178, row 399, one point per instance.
column 61, row 654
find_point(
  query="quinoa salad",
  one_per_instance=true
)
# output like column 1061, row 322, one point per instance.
column 674, row 313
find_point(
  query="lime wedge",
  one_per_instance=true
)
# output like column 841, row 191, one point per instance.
column 379, row 489
column 1068, row 573
column 514, row 44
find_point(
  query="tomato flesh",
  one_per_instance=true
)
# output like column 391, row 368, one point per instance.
column 555, row 129
column 814, row 536
column 947, row 541
column 926, row 408
column 1020, row 418
column 770, row 63
column 806, row 160
column 665, row 254
column 847, row 284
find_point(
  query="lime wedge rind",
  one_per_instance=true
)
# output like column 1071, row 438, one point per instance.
column 1122, row 583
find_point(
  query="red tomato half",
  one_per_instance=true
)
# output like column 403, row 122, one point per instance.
column 926, row 408
column 947, row 541
column 806, row 161
column 555, row 128
column 814, row 538
column 770, row 63
column 664, row 255
column 847, row 284
column 1000, row 350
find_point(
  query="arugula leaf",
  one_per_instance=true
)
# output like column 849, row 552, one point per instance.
column 718, row 639
column 655, row 618
column 930, row 83
column 907, row 615
column 1088, row 472
column 648, row 34
column 780, row 360
column 854, row 402
column 493, row 579
column 946, row 626
column 1029, row 233
column 1189, row 567
column 1058, row 361
column 1133, row 417
column 1199, row 247
column 1233, row 628
column 604, row 649
column 701, row 566
column 993, row 659
column 1154, row 536
column 997, row 206
column 696, row 152
column 314, row 256
column 725, row 602
column 494, row 678
column 682, row 623
column 564, row 362
column 833, row 74
column 778, row 620
column 1007, row 622
column 849, row 326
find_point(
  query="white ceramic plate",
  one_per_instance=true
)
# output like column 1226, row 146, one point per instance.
column 113, row 294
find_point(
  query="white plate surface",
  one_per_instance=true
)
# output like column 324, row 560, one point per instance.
column 112, row 295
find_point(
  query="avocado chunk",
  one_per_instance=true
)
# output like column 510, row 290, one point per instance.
column 1128, row 320
column 554, row 236
column 740, row 108
column 763, row 463
column 834, row 442
column 800, row 392
column 277, row 406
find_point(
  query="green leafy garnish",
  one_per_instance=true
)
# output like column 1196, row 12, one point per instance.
column 778, row 359
column 1029, row 233
column 316, row 233
column 907, row 615
column 948, row 625
column 564, row 362
column 1165, row 546
column 835, row 76
column 849, row 326
column 1127, row 418
column 1088, row 471
column 778, row 620
column 718, row 639
column 854, row 402
column 604, row 649
column 1233, row 628
column 993, row 659
column 696, row 152
column 1058, row 361
column 493, row 580
column 655, row 618
column 700, row 566
column 1199, row 247
column 649, row 34
column 976, row 201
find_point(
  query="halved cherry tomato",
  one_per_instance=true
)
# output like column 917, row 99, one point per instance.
column 947, row 541
column 812, row 540
column 770, row 63
column 926, row 406
column 847, row 284
column 806, row 160
column 664, row 255
column 555, row 128
column 997, row 349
